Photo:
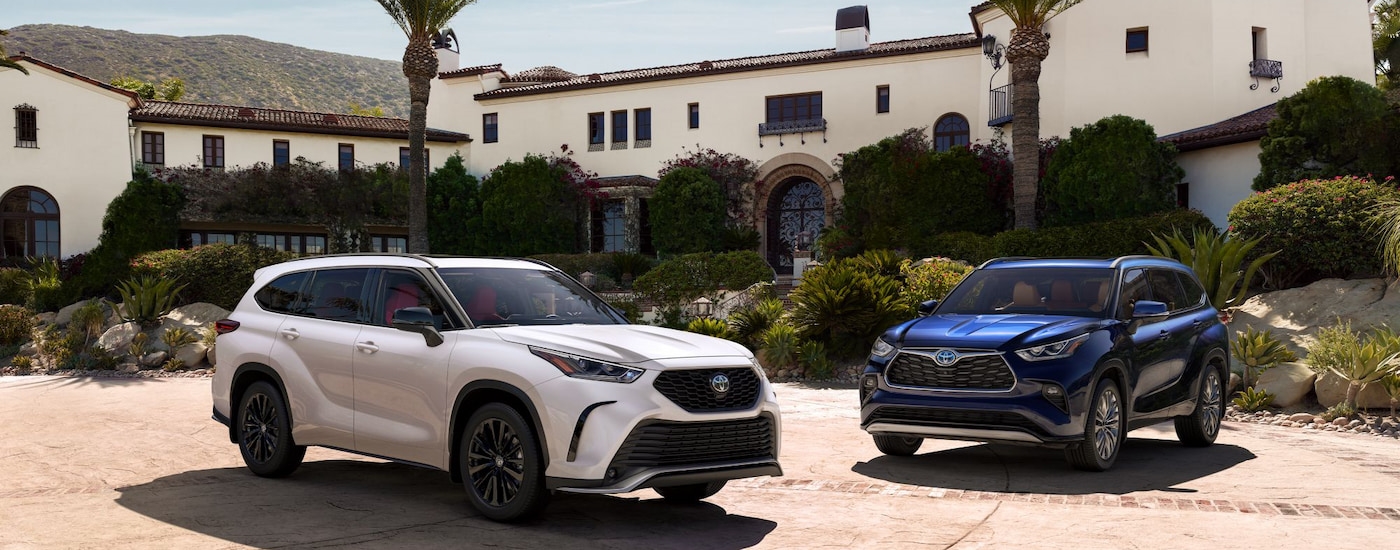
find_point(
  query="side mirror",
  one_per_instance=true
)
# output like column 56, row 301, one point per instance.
column 419, row 320
column 1144, row 309
column 926, row 308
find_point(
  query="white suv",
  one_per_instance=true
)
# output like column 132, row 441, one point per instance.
column 506, row 373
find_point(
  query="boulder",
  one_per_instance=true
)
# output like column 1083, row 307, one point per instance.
column 1331, row 390
column 46, row 318
column 1288, row 382
column 210, row 356
column 154, row 359
column 65, row 315
column 129, row 368
column 118, row 338
column 1296, row 314
column 192, row 354
column 197, row 314
column 29, row 349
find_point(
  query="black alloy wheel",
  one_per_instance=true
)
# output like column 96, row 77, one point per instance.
column 265, row 432
column 502, row 464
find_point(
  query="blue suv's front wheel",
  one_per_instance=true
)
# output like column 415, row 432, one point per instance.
column 898, row 445
column 1103, row 430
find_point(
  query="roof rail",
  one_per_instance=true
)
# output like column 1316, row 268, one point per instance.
column 426, row 259
column 995, row 261
column 1119, row 261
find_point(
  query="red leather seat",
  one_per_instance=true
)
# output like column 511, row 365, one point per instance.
column 482, row 307
column 399, row 297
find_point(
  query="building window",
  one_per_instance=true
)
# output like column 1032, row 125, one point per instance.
column 793, row 108
column 1137, row 40
column 951, row 131
column 595, row 131
column 1183, row 195
column 29, row 223
column 213, row 151
column 489, row 131
column 643, row 117
column 388, row 244
column 619, row 128
column 1260, row 41
column 347, row 157
column 882, row 99
column 153, row 148
column 404, row 159
column 281, row 152
column 694, row 115
column 200, row 238
column 609, row 227
column 26, row 126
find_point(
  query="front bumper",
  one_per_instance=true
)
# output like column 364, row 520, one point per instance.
column 1022, row 415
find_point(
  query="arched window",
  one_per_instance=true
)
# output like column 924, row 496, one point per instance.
column 951, row 131
column 29, row 223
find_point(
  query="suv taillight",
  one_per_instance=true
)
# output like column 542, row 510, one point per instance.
column 225, row 326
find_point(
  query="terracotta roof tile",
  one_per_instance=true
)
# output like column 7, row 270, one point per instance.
column 1246, row 127
column 880, row 49
column 229, row 116
column 472, row 71
column 547, row 73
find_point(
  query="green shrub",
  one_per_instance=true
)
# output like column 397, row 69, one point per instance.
column 687, row 212
column 532, row 207
column 629, row 309
column 176, row 338
column 613, row 265
column 710, row 327
column 59, row 346
column 734, row 174
column 780, row 346
column 14, row 286
column 1336, row 126
column 88, row 320
column 454, row 209
column 1322, row 228
column 962, row 245
column 837, row 242
column 1103, row 239
column 216, row 273
column 172, row 364
column 22, row 363
column 144, row 217
column 137, row 349
column 93, row 358
column 739, row 238
column 750, row 323
column 1391, row 385
column 1340, row 410
column 845, row 306
column 146, row 299
column 1257, row 351
column 45, row 287
column 16, row 325
column 679, row 281
column 1358, row 359
column 1332, row 346
column 1251, row 400
column 880, row 262
column 814, row 361
column 1114, row 168
column 931, row 280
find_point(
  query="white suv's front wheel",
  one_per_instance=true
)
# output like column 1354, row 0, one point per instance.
column 502, row 465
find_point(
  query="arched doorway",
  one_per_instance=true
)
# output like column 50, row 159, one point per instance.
column 797, row 206
column 29, row 223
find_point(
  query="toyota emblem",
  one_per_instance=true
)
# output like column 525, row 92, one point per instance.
column 946, row 358
column 720, row 383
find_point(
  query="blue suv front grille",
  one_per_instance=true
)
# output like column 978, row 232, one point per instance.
column 976, row 372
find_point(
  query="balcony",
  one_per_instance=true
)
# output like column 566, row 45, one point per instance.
column 999, row 107
column 792, row 127
column 1266, row 69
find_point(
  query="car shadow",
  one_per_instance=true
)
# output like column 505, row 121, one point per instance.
column 1143, row 465
column 101, row 380
column 372, row 504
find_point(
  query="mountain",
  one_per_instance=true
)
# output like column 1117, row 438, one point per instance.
column 223, row 69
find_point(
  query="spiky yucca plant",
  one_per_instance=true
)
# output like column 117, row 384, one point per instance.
column 780, row 346
column 1251, row 400
column 710, row 327
column 748, row 324
column 1258, row 350
column 812, row 356
column 1217, row 260
column 1368, row 362
column 146, row 299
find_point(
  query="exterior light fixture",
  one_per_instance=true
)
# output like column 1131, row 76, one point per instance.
column 703, row 307
column 993, row 50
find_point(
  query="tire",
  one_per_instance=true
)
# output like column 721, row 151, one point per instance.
column 895, row 445
column 689, row 494
column 501, row 464
column 1200, row 428
column 265, row 432
column 1104, row 431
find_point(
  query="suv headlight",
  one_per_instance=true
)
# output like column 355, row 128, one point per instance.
column 1057, row 350
column 589, row 369
column 882, row 348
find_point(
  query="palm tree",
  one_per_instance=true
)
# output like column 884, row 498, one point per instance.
column 5, row 58
column 1027, row 49
column 420, row 20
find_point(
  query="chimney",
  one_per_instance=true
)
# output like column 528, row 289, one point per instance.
column 449, row 53
column 852, row 29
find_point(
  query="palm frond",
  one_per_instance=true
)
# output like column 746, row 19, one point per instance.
column 422, row 18
column 1033, row 14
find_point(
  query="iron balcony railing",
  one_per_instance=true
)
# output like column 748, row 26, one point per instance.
column 1266, row 68
column 999, row 106
column 792, row 127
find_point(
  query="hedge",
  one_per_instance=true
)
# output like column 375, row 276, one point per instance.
column 681, row 280
column 219, row 274
column 1114, row 238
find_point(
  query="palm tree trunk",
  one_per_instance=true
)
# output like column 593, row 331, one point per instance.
column 420, row 66
column 1027, row 50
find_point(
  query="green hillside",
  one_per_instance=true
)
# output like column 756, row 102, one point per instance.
column 225, row 69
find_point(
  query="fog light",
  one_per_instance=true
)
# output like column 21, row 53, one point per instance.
column 612, row 473
column 1056, row 396
column 869, row 382
column 867, row 387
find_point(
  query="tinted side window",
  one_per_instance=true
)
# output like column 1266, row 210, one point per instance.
column 335, row 294
column 281, row 295
column 401, row 289
column 1195, row 295
column 1134, row 289
column 1166, row 289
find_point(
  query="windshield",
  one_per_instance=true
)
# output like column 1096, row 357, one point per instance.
column 506, row 296
column 1078, row 292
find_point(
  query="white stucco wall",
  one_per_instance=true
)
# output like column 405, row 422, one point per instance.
column 1220, row 177
column 184, row 146
column 82, row 159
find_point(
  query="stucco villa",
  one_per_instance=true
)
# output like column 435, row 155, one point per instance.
column 1204, row 73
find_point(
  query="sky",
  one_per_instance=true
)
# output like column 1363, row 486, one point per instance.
column 582, row 36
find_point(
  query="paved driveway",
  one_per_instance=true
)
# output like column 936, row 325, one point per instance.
column 130, row 463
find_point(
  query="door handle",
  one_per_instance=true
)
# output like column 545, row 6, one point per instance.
column 366, row 347
column 1196, row 323
column 1164, row 335
column 290, row 334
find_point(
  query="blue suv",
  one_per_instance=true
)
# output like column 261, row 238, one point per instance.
column 1067, row 353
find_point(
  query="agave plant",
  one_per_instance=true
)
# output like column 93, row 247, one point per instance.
column 145, row 300
column 883, row 262
column 1258, row 350
column 1366, row 363
column 846, row 307
column 1391, row 384
column 88, row 320
column 710, row 327
column 780, row 346
column 1216, row 259
column 813, row 358
column 137, row 348
column 176, row 338
column 748, row 324
column 1251, row 400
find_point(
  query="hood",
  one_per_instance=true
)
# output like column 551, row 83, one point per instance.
column 626, row 344
column 993, row 331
